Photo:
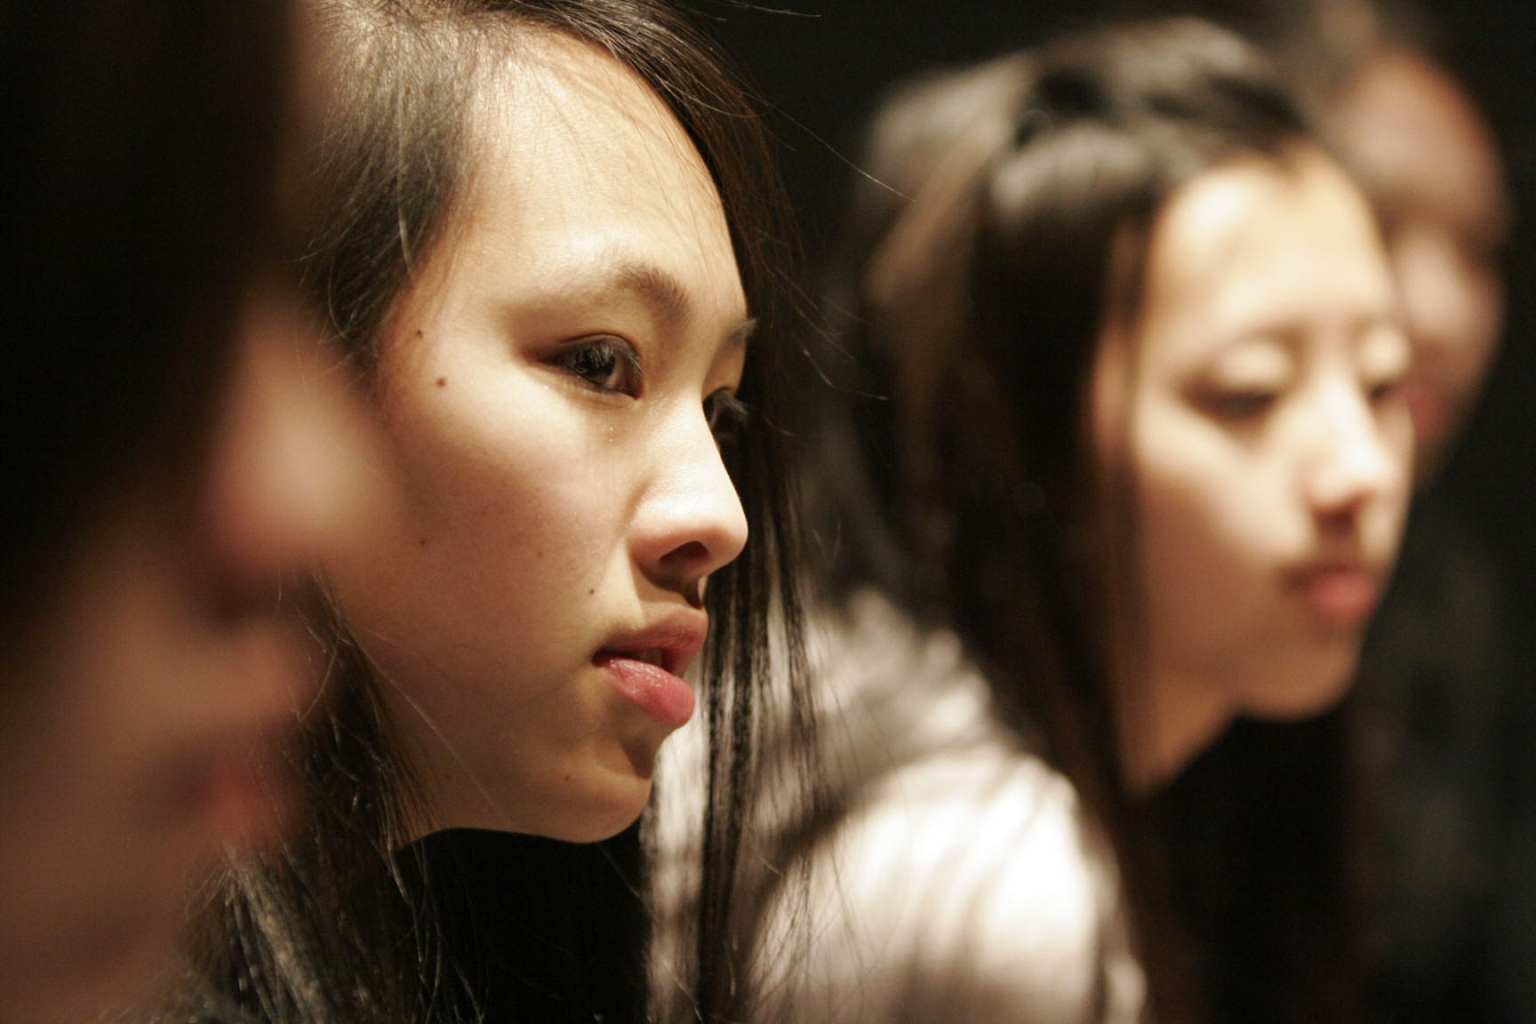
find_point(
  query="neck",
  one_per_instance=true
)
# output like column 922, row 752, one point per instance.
column 1165, row 722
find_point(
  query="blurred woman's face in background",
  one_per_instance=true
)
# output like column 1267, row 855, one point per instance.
column 1256, row 412
column 1428, row 161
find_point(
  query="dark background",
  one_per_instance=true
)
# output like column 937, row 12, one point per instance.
column 821, row 66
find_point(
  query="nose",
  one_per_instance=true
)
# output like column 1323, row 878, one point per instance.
column 1350, row 460
column 289, row 474
column 690, row 522
column 1436, row 287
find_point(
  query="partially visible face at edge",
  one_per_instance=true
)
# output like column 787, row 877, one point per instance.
column 1257, row 408
column 154, row 679
column 1428, row 161
column 548, row 388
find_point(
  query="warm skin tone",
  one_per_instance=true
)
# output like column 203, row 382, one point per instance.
column 149, row 687
column 1428, row 161
column 153, row 673
column 1269, row 447
column 547, row 388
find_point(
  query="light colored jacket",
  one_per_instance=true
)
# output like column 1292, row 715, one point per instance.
column 957, row 879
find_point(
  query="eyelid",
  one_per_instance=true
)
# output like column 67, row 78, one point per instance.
column 1237, row 403
column 622, row 350
column 1217, row 388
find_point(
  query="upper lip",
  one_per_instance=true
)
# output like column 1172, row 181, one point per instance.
column 677, row 637
column 1304, row 571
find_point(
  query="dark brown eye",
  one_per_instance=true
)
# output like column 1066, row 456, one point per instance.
column 606, row 363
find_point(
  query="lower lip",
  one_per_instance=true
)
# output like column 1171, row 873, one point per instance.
column 1345, row 597
column 247, row 800
column 652, row 689
column 1429, row 412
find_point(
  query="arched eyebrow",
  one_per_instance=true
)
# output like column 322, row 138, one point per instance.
column 664, row 296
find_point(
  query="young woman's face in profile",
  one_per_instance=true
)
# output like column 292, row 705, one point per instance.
column 1258, row 408
column 547, row 388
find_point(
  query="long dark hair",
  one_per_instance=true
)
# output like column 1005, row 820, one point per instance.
column 344, row 926
column 979, row 290
column 130, row 207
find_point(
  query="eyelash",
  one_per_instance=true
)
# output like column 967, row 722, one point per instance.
column 1239, row 405
column 728, row 417
column 595, row 361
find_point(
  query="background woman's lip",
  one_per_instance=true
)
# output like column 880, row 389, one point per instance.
column 1427, row 408
column 1344, row 594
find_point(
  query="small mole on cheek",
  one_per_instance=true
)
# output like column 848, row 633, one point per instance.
column 423, row 542
column 442, row 382
column 591, row 591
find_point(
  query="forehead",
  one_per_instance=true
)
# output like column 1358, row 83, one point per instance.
column 573, row 156
column 1416, row 140
column 1257, row 244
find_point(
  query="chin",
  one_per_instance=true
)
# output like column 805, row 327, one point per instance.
column 1296, row 688
column 131, row 978
column 602, row 808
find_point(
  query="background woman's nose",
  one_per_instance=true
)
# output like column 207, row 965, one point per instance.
column 1350, row 461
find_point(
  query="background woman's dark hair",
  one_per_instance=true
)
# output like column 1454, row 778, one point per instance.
column 979, row 291
column 481, row 925
column 135, row 181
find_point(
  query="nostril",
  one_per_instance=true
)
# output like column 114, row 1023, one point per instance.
column 1338, row 522
column 685, row 555
column 684, row 570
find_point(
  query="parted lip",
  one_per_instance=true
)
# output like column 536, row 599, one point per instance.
column 672, row 641
column 1343, row 590
column 236, row 781
column 1304, row 572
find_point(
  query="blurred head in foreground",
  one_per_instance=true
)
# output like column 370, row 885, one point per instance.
column 173, row 451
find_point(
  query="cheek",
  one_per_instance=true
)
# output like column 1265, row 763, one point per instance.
column 511, row 478
column 1482, row 322
column 507, row 529
column 1387, row 516
column 1208, row 515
